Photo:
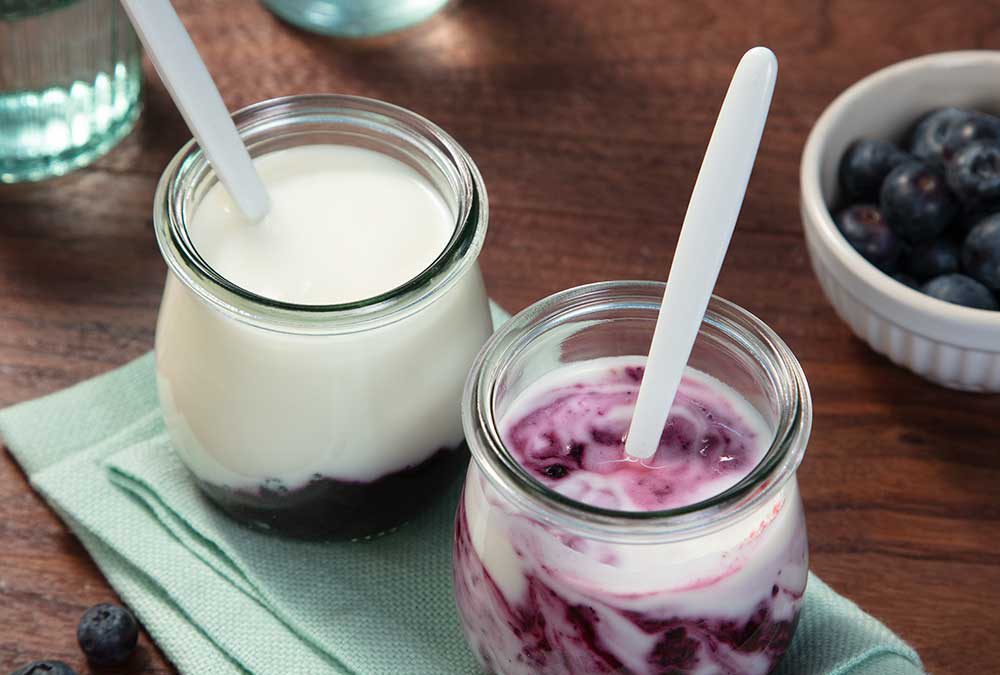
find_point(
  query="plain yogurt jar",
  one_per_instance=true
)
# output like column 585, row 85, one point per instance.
column 571, row 558
column 310, row 367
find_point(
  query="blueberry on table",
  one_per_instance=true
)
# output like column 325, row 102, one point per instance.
column 981, row 252
column 960, row 290
column 933, row 259
column 917, row 202
column 974, row 173
column 864, row 228
column 933, row 135
column 864, row 166
column 107, row 634
column 45, row 668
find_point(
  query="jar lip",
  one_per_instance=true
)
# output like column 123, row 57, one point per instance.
column 269, row 119
column 504, row 472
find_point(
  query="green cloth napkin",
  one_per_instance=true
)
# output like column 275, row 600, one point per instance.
column 221, row 599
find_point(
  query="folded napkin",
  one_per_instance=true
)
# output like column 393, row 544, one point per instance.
column 219, row 598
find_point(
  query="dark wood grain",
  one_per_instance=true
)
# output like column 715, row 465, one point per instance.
column 588, row 120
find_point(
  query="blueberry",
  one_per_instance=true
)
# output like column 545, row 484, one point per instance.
column 974, row 173
column 961, row 290
column 556, row 471
column 981, row 252
column 107, row 634
column 929, row 136
column 933, row 259
column 907, row 280
column 941, row 134
column 976, row 126
column 865, row 165
column 916, row 202
column 45, row 668
column 867, row 231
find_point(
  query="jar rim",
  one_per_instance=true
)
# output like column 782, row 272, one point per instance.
column 777, row 466
column 271, row 118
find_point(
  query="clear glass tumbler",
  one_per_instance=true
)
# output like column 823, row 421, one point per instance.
column 322, row 421
column 355, row 18
column 70, row 80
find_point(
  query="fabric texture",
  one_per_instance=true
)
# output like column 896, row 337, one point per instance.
column 219, row 598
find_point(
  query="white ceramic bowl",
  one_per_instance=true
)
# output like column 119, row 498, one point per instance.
column 951, row 345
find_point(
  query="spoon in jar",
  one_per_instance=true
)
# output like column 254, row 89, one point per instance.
column 194, row 93
column 708, row 227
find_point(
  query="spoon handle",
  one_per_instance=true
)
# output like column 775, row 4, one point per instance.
column 708, row 226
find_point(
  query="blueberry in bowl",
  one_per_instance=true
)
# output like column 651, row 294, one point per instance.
column 933, row 259
column 960, row 290
column 928, row 194
column 864, row 227
column 917, row 202
column 929, row 299
column 932, row 131
column 977, row 126
column 981, row 252
column 865, row 165
column 940, row 133
column 974, row 174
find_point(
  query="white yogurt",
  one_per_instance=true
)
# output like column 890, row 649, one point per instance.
column 346, row 224
column 246, row 404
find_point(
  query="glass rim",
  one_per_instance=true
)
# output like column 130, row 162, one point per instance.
column 268, row 119
column 737, row 325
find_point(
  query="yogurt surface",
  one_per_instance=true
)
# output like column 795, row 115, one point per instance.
column 568, row 429
column 346, row 224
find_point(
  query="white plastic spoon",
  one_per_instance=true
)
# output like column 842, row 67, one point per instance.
column 194, row 93
column 708, row 227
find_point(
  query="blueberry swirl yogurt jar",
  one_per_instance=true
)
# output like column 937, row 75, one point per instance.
column 310, row 366
column 572, row 558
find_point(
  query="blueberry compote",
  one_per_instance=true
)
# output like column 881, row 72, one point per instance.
column 331, row 508
column 542, row 597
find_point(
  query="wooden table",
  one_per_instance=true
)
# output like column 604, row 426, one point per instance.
column 588, row 120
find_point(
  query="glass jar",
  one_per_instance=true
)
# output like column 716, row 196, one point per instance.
column 322, row 421
column 547, row 585
column 355, row 18
column 70, row 80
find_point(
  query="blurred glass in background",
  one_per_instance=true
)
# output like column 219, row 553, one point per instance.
column 70, row 79
column 355, row 18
